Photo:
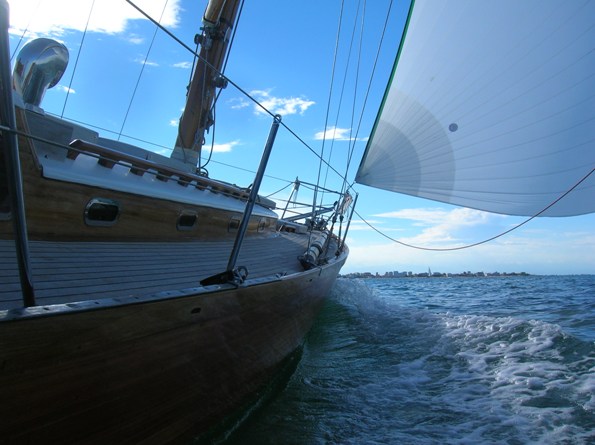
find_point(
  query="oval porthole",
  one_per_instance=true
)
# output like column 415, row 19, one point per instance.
column 102, row 212
column 262, row 224
column 187, row 220
column 234, row 224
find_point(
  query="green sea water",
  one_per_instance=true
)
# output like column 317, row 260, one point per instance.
column 507, row 360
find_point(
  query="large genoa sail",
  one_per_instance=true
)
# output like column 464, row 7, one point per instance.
column 491, row 109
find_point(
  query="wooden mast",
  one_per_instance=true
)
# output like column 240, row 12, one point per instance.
column 218, row 21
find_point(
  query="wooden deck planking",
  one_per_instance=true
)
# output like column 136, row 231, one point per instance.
column 75, row 271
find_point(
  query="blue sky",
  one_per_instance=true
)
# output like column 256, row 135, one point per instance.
column 282, row 56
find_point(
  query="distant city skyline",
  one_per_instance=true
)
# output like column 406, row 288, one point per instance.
column 430, row 274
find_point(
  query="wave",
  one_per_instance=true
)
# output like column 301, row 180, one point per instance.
column 414, row 375
column 431, row 362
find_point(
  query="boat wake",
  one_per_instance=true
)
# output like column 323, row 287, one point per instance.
column 378, row 371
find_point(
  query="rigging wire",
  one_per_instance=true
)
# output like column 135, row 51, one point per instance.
column 351, row 152
column 78, row 55
column 201, row 116
column 228, row 52
column 367, row 95
column 140, row 74
column 279, row 191
column 355, row 89
column 328, row 106
column 25, row 31
column 447, row 249
column 238, row 87
column 194, row 59
column 233, row 36
column 164, row 147
column 193, row 62
column 203, row 167
column 346, row 71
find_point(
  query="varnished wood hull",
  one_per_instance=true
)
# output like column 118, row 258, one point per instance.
column 103, row 360
column 159, row 371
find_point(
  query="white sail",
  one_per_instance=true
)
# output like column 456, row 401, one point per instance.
column 491, row 106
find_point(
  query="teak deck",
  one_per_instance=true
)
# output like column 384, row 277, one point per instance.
column 65, row 272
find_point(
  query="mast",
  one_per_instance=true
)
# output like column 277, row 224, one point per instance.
column 218, row 21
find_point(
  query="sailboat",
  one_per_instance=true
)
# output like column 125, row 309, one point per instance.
column 153, row 301
column 143, row 301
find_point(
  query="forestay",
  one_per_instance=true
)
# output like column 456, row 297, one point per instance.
column 491, row 106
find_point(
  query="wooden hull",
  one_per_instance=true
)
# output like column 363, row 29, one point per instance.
column 157, row 371
column 125, row 345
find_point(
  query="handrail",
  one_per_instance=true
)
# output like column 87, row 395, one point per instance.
column 109, row 157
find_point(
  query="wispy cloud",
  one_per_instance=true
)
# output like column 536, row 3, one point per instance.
column 280, row 105
column 222, row 148
column 146, row 62
column 360, row 225
column 217, row 148
column 65, row 89
column 238, row 103
column 337, row 134
column 556, row 253
column 135, row 39
column 108, row 16
column 183, row 65
column 430, row 216
column 441, row 226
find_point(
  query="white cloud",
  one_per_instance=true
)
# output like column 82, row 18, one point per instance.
column 65, row 89
column 429, row 216
column 280, row 105
column 510, row 254
column 222, row 148
column 543, row 247
column 183, row 65
column 135, row 40
column 359, row 225
column 238, row 103
column 174, row 122
column 425, row 216
column 56, row 17
column 337, row 134
column 146, row 62
column 546, row 251
column 441, row 226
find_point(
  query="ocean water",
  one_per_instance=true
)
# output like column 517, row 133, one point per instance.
column 507, row 360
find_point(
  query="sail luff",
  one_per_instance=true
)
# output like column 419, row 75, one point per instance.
column 390, row 81
column 490, row 110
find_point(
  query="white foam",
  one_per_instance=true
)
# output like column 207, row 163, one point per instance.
column 473, row 378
